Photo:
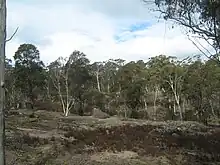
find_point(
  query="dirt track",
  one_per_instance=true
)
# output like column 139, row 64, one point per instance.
column 48, row 138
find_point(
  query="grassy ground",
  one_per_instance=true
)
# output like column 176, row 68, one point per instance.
column 47, row 138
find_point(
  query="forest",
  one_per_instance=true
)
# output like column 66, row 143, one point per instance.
column 162, row 88
column 162, row 111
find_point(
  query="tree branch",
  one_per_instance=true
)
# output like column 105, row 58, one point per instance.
column 198, row 47
column 209, row 57
column 16, row 30
column 187, row 16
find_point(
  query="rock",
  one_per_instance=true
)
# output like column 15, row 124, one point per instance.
column 97, row 113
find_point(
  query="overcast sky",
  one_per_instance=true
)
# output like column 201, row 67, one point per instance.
column 102, row 29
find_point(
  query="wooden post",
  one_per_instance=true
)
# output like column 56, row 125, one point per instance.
column 2, row 78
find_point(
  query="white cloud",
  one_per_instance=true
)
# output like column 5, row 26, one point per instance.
column 11, row 48
column 58, row 29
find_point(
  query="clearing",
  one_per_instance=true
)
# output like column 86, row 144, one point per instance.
column 48, row 138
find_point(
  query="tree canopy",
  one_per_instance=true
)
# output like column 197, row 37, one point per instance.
column 201, row 18
column 162, row 88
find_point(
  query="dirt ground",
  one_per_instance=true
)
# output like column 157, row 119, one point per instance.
column 48, row 138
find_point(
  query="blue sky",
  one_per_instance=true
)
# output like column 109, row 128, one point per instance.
column 101, row 29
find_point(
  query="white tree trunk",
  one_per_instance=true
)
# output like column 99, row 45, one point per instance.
column 66, row 102
column 173, row 86
column 61, row 97
column 108, row 87
column 67, row 95
column 174, row 107
column 155, row 101
column 145, row 104
column 98, row 82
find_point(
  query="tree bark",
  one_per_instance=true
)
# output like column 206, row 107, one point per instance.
column 213, row 111
column 173, row 85
column 2, row 78
column 65, row 101
column 98, row 83
column 155, row 101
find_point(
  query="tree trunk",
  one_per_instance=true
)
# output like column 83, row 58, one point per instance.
column 48, row 91
column 177, row 100
column 67, row 96
column 61, row 98
column 155, row 101
column 174, row 108
column 81, row 111
column 184, row 106
column 98, row 83
column 145, row 104
column 2, row 78
column 125, row 112
column 108, row 87
column 180, row 111
column 66, row 102
column 213, row 111
column 173, row 86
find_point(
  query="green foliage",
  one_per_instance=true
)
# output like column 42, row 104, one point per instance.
column 9, row 84
column 162, row 88
column 29, row 71
column 199, row 17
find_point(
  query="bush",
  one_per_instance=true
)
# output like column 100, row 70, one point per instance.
column 97, row 113
column 169, row 115
column 189, row 116
column 139, row 114
column 47, row 105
